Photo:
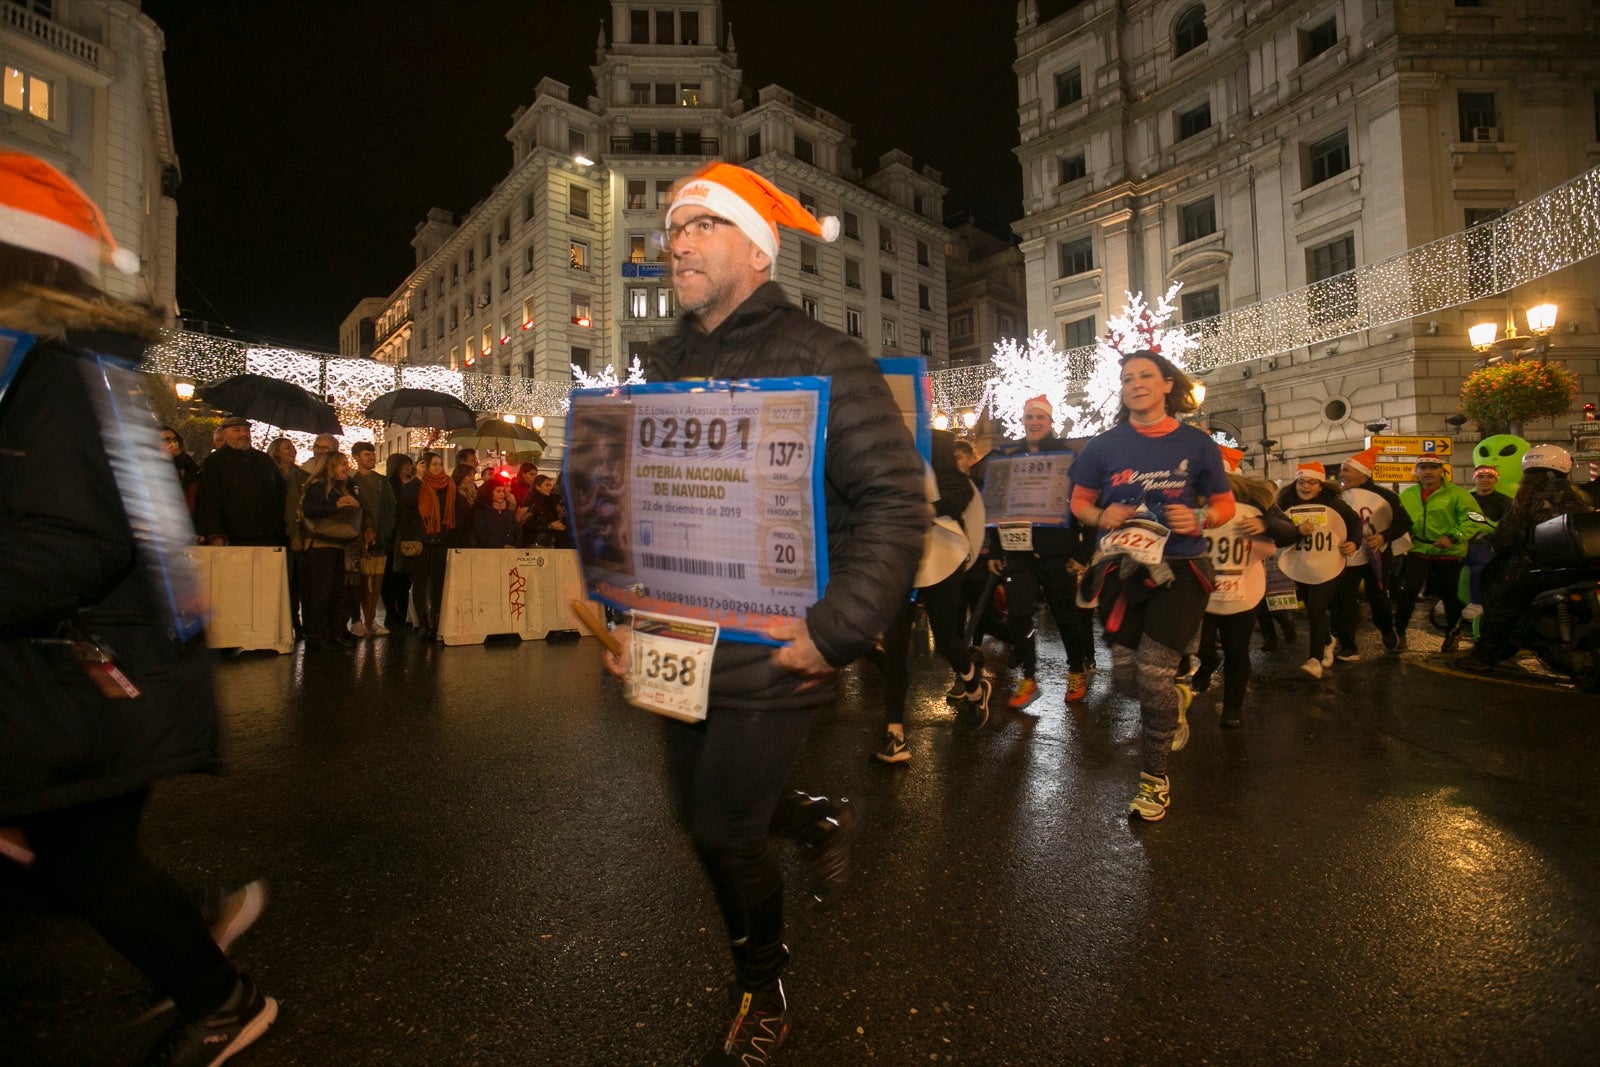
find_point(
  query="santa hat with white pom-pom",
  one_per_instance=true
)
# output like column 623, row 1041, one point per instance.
column 43, row 210
column 751, row 203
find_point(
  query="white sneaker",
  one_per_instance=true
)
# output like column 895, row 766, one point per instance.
column 1472, row 611
column 377, row 629
column 1327, row 654
column 358, row 630
column 1312, row 667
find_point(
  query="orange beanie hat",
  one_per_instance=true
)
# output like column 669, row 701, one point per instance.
column 1231, row 458
column 43, row 210
column 751, row 203
column 1311, row 470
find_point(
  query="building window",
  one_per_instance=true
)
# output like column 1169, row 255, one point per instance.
column 664, row 34
column 438, row 326
column 808, row 258
column 577, row 143
column 922, row 253
column 1318, row 39
column 580, row 310
column 752, row 146
column 472, row 263
column 527, row 313
column 527, row 208
column 27, row 93
column 1201, row 304
column 577, row 201
column 636, row 194
column 1333, row 260
column 1006, row 323
column 1189, row 32
column 665, row 306
column 689, row 94
column 488, row 250
column 455, row 274
column 454, row 318
column 890, row 334
column 638, row 248
column 961, row 326
column 807, row 201
column 924, row 298
column 1327, row 158
column 852, row 322
column 580, row 359
column 663, row 195
column 639, row 94
column 925, row 341
column 852, row 225
column 1073, row 168
column 688, row 27
column 886, row 284
column 852, row 272
column 455, row 356
column 440, row 287
column 639, row 26
column 804, row 151
column 1197, row 220
column 638, row 302
column 527, row 260
column 1477, row 216
column 809, row 305
column 488, row 341
column 1077, row 257
column 505, row 278
column 1078, row 334
column 505, row 229
column 578, row 255
column 487, row 295
column 1069, row 86
column 885, row 238
column 1195, row 120
column 1478, row 115
column 918, row 204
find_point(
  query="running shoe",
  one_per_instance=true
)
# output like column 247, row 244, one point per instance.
column 1345, row 654
column 894, row 750
column 760, row 1023
column 1312, row 667
column 830, row 859
column 1327, row 654
column 1151, row 801
column 1077, row 685
column 1232, row 718
column 1025, row 693
column 1185, row 698
column 209, row 1039
column 976, row 711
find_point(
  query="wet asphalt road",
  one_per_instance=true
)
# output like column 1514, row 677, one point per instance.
column 473, row 861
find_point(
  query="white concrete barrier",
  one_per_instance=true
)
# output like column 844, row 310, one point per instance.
column 522, row 591
column 247, row 594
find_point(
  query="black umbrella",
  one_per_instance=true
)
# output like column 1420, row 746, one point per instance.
column 419, row 408
column 272, row 401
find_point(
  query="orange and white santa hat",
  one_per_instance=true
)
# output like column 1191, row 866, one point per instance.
column 1038, row 403
column 1365, row 461
column 751, row 203
column 1231, row 458
column 43, row 210
column 1310, row 471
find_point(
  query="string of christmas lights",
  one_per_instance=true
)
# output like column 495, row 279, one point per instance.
column 1545, row 235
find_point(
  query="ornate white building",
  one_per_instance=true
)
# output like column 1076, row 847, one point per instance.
column 84, row 87
column 556, row 265
column 1249, row 148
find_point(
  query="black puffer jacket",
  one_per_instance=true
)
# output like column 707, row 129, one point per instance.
column 876, row 503
column 69, row 552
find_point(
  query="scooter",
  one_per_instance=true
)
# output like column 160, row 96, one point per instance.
column 1562, row 626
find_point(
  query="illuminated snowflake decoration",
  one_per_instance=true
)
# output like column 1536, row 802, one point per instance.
column 1138, row 328
column 607, row 379
column 1026, row 371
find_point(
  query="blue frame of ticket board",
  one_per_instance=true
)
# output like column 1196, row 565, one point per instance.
column 914, row 368
column 662, row 479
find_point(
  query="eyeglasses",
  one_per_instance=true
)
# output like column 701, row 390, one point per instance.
column 168, row 439
column 696, row 229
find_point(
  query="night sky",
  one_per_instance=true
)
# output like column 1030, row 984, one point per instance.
column 313, row 137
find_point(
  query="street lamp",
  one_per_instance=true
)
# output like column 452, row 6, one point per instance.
column 1536, row 342
column 537, row 421
column 184, row 391
column 941, row 421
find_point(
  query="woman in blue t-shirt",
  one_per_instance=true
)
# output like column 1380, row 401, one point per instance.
column 1171, row 476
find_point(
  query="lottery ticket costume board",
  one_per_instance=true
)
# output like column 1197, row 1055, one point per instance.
column 702, row 501
column 1026, row 490
column 912, row 390
column 1238, row 558
column 1315, row 558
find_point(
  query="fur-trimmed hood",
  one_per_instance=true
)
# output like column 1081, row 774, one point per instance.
column 52, row 314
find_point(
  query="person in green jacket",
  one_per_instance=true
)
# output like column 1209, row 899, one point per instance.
column 1440, row 513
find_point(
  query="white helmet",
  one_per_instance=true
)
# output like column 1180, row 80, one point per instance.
column 1547, row 457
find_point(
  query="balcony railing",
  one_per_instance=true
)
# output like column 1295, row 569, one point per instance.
column 60, row 38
